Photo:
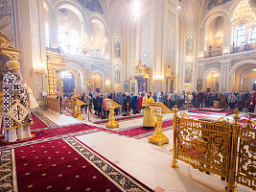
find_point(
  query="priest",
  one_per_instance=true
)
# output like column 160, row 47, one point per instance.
column 149, row 119
column 16, row 115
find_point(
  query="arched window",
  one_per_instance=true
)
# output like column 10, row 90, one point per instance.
column 63, row 40
column 68, row 41
column 241, row 33
column 253, row 35
column 47, row 36
column 73, row 42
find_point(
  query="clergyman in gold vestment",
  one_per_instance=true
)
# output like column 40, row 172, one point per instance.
column 149, row 119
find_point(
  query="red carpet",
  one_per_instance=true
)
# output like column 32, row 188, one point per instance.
column 139, row 132
column 119, row 119
column 66, row 165
column 226, row 112
column 58, row 132
column 38, row 124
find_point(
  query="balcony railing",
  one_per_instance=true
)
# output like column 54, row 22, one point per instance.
column 233, row 49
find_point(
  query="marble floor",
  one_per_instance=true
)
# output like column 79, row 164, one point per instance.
column 145, row 161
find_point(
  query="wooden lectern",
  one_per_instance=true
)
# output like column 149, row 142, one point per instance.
column 159, row 109
column 111, row 105
column 77, row 104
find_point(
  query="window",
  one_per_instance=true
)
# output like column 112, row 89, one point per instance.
column 63, row 40
column 73, row 42
column 47, row 36
column 253, row 35
column 241, row 32
column 68, row 41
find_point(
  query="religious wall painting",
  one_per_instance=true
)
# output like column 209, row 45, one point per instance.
column 117, row 74
column 188, row 72
column 215, row 3
column 7, row 20
column 117, row 47
column 92, row 5
column 189, row 44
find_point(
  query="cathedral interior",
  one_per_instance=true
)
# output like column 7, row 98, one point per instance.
column 133, row 46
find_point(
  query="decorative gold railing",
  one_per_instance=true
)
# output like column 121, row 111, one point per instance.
column 218, row 147
column 246, row 171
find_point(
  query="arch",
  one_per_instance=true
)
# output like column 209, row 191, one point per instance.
column 99, row 72
column 239, row 64
column 72, row 65
column 212, row 69
column 72, row 6
column 207, row 21
column 213, row 14
column 97, row 16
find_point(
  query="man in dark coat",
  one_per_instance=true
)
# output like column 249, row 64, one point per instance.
column 127, row 101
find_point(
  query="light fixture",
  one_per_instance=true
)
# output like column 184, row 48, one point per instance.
column 66, row 74
column 158, row 77
column 87, row 46
column 136, row 8
column 219, row 35
column 243, row 14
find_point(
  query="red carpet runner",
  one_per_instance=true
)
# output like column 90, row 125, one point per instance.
column 63, row 165
column 38, row 123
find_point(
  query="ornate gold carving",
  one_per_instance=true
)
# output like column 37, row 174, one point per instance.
column 112, row 105
column 204, row 145
column 246, row 173
column 159, row 109
column 183, row 115
column 139, row 69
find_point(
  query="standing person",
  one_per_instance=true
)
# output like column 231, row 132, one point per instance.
column 134, row 103
column 94, row 101
column 240, row 101
column 251, row 103
column 127, row 102
column 139, row 102
column 155, row 97
column 14, row 91
column 149, row 119
column 232, row 101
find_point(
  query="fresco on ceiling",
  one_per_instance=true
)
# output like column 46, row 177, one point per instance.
column 215, row 3
column 92, row 5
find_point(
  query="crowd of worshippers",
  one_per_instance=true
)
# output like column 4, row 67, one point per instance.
column 132, row 102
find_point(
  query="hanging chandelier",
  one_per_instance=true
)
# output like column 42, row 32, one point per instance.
column 87, row 46
column 243, row 14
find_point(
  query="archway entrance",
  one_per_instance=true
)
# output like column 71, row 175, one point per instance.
column 65, row 82
column 212, row 81
column 98, row 82
column 244, row 78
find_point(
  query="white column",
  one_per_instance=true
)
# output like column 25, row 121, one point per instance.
column 26, row 42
